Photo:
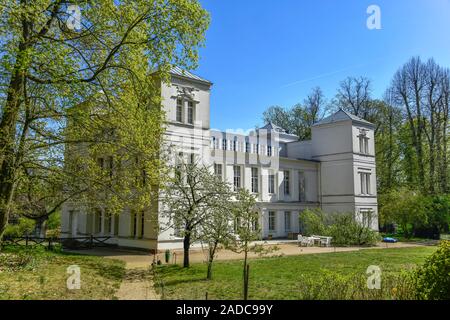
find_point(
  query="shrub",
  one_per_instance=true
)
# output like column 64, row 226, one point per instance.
column 312, row 222
column 346, row 231
column 341, row 226
column 23, row 227
column 432, row 280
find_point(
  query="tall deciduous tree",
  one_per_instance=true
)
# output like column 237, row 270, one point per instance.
column 49, row 63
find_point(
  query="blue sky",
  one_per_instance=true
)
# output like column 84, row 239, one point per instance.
column 260, row 53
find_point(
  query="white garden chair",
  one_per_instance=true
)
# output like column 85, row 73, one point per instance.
column 304, row 240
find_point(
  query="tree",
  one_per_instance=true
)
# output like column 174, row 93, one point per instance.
column 404, row 207
column 189, row 196
column 299, row 119
column 247, row 229
column 217, row 228
column 48, row 65
column 354, row 95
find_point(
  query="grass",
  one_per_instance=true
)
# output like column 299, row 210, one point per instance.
column 40, row 274
column 314, row 276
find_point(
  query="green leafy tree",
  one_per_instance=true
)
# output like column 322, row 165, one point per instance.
column 247, row 230
column 49, row 64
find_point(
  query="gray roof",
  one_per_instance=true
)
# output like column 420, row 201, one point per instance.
column 342, row 115
column 270, row 126
column 177, row 71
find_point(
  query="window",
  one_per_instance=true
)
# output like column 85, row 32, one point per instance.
column 287, row 221
column 255, row 223
column 301, row 187
column 107, row 222
column 257, row 149
column 366, row 217
column 247, row 147
column 142, row 224
column 234, row 145
column 179, row 110
column 218, row 170
column 101, row 162
column 192, row 158
column 98, row 221
column 363, row 142
column 365, row 182
column 271, row 220
column 255, row 180
column 224, row 144
column 133, row 224
column 286, row 182
column 213, row 142
column 237, row 177
column 110, row 166
column 271, row 183
column 190, row 112
column 269, row 151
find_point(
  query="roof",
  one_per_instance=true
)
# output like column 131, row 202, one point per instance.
column 342, row 115
column 177, row 71
column 270, row 126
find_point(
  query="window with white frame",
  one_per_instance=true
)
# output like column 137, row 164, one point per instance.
column 236, row 177
column 272, row 221
column 363, row 141
column 214, row 142
column 224, row 144
column 271, row 183
column 255, row 180
column 301, row 186
column 269, row 151
column 287, row 221
column 365, row 182
column 247, row 147
column 190, row 112
column 234, row 145
column 218, row 170
column 286, row 182
column 255, row 223
column 179, row 110
column 366, row 217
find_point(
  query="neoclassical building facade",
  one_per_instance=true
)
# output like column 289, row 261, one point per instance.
column 334, row 171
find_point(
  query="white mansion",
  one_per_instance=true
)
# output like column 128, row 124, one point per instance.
column 334, row 171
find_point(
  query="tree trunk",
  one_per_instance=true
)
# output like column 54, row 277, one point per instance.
column 245, row 277
column 7, row 136
column 186, row 246
column 212, row 252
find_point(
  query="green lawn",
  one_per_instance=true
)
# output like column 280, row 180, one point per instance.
column 313, row 276
column 40, row 274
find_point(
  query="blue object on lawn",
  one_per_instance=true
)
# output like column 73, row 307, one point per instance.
column 389, row 239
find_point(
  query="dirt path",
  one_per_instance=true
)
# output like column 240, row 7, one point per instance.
column 137, row 284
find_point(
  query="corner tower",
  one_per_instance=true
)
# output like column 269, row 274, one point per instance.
column 345, row 146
